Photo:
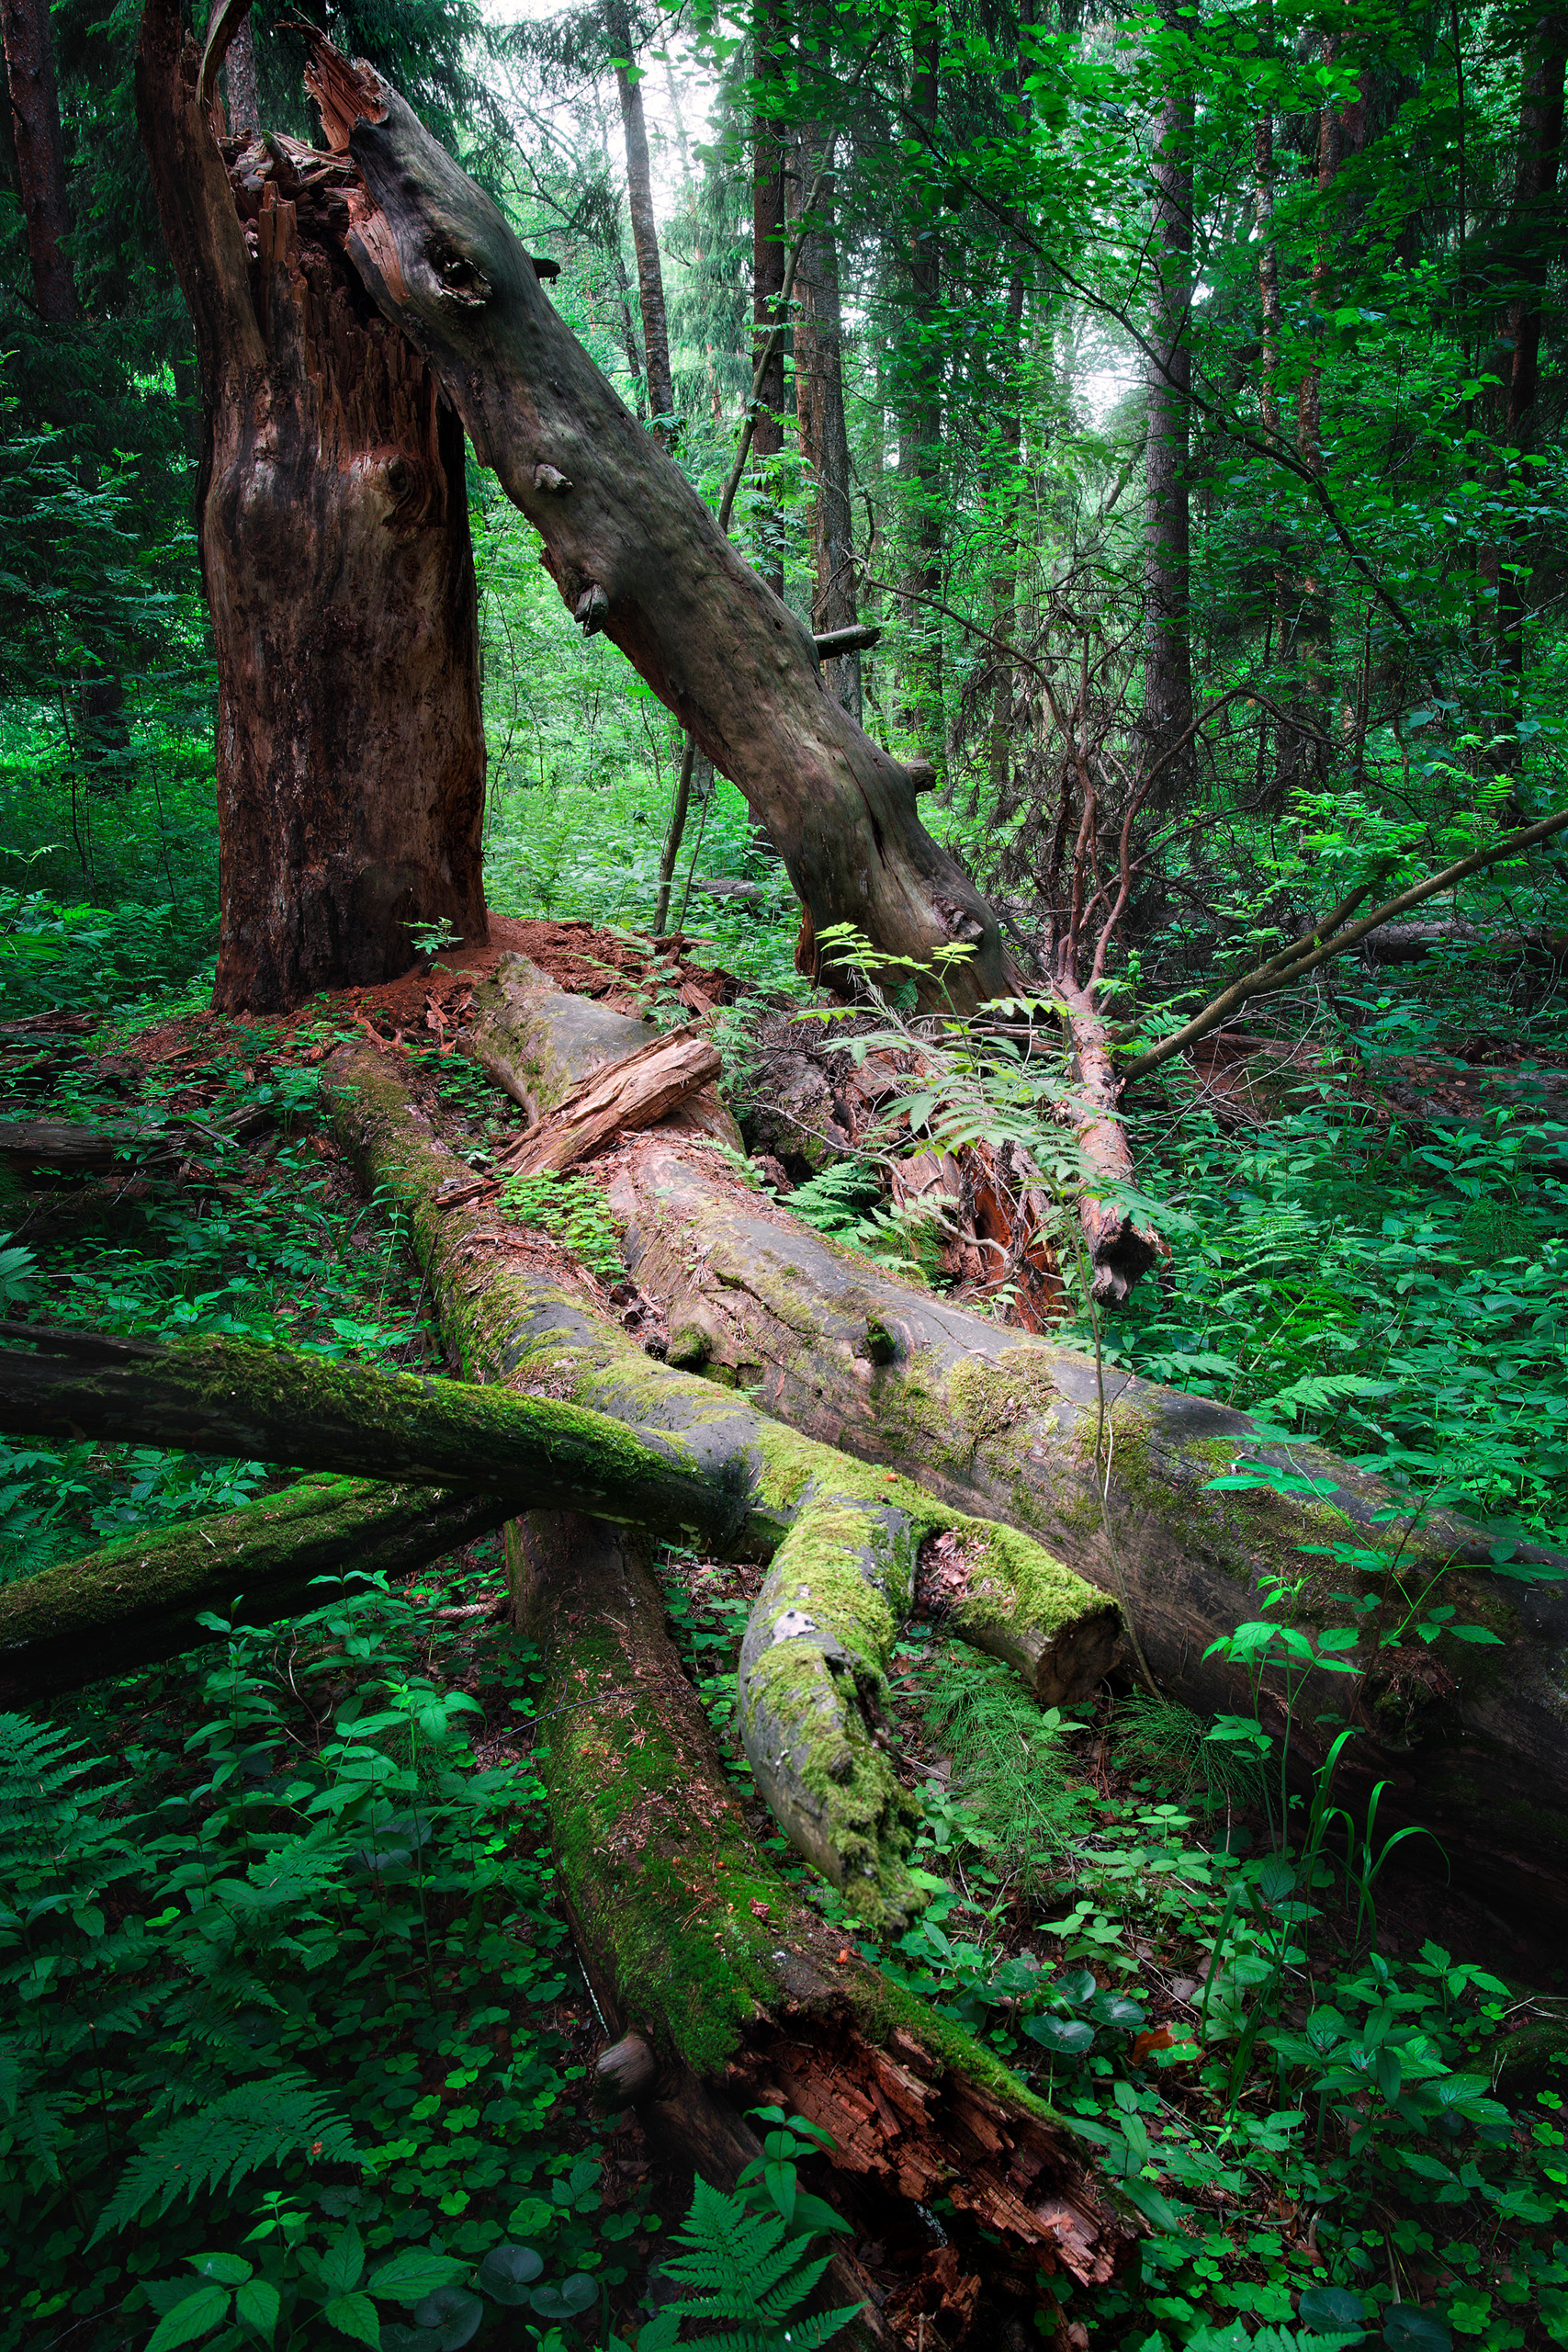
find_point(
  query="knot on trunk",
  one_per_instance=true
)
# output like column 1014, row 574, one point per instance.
column 591, row 610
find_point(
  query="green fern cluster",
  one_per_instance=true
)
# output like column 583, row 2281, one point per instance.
column 749, row 2269
column 1010, row 1763
column 845, row 1201
column 572, row 1212
column 255, row 2124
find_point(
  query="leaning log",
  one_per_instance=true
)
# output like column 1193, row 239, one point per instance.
column 848, row 1538
column 1115, row 1475
column 618, row 1098
column 729, row 1992
column 141, row 1599
column 635, row 553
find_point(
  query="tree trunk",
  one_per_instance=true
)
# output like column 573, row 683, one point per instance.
column 819, row 404
column 333, row 527
column 40, row 155
column 141, row 1599
column 634, row 552
column 645, row 243
column 1004, row 530
column 768, row 233
column 737, row 1993
column 1533, row 234
column 920, row 453
column 240, row 75
column 1167, row 644
column 1113, row 1475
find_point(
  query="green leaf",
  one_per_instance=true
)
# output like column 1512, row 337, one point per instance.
column 1407, row 2328
column 1325, row 2308
column 258, row 2303
column 507, row 2272
column 197, row 2315
column 574, row 2296
column 451, row 2315
column 228, row 2269
column 355, row 2316
column 343, row 2263
column 413, row 2271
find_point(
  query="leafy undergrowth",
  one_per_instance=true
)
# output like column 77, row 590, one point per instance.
column 1333, row 2131
column 282, row 1966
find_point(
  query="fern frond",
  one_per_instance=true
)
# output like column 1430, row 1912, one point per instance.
column 748, row 2268
column 253, row 2125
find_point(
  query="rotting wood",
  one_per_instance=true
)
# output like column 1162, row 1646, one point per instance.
column 815, row 1690
column 738, row 1993
column 333, row 523
column 1114, row 1473
column 140, row 1600
column 634, row 551
column 618, row 1098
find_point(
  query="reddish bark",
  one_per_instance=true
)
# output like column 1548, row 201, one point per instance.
column 333, row 528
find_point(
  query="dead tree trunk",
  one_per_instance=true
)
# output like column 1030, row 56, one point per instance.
column 40, row 155
column 634, row 551
column 919, row 452
column 141, row 1599
column 333, row 526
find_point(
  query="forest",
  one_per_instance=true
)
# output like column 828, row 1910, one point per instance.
column 784, row 1140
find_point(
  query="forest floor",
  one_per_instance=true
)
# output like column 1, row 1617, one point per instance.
column 368, row 1773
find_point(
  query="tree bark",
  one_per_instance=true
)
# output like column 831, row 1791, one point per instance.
column 40, row 155
column 767, row 288
column 1113, row 1475
column 1533, row 236
column 920, row 453
column 240, row 76
column 820, row 405
column 634, row 552
column 737, row 1991
column 141, row 1599
column 1167, row 644
column 333, row 528
column 1004, row 526
column 645, row 243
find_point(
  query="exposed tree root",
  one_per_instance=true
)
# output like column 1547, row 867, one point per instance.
column 140, row 1601
column 695, row 1945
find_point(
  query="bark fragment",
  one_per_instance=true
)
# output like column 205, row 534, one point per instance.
column 621, row 1096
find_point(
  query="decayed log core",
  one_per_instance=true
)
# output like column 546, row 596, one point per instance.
column 539, row 1042
column 618, row 1099
column 138, row 1600
column 1120, row 1247
column 1117, row 1481
column 816, row 1677
column 738, row 1993
column 634, row 551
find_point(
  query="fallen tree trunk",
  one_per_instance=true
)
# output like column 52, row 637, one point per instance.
column 815, row 1692
column 1114, row 1474
column 847, row 1539
column 634, row 552
column 731, row 1993
column 140, row 1601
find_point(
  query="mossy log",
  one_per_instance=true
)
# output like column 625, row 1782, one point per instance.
column 816, row 1676
column 138, row 1600
column 696, row 1945
column 1115, row 1475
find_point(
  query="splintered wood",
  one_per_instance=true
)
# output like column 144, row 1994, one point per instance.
column 616, row 1100
column 904, row 2129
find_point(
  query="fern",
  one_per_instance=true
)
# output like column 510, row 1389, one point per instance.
column 747, row 2268
column 835, row 1201
column 1008, row 1758
column 256, row 2124
column 37, row 1765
